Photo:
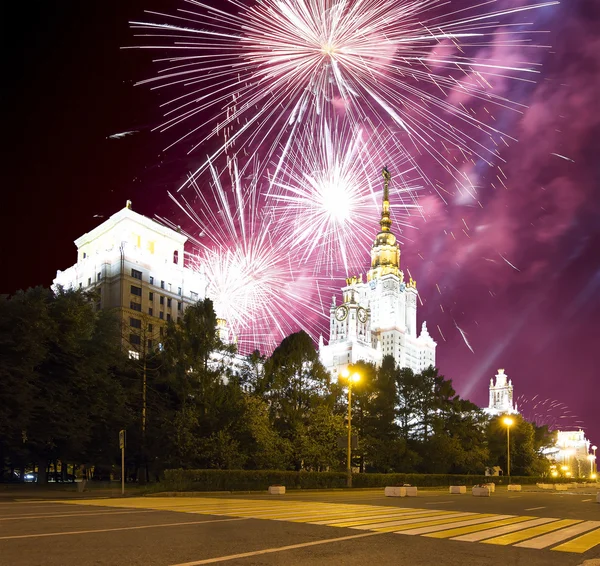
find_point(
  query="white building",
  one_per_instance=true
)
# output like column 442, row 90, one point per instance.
column 501, row 396
column 136, row 266
column 378, row 317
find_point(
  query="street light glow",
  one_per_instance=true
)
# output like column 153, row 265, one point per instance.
column 508, row 421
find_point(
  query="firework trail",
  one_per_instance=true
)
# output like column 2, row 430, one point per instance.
column 253, row 282
column 464, row 337
column 326, row 200
column 549, row 412
column 262, row 73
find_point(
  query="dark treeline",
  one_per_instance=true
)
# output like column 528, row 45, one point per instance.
column 67, row 386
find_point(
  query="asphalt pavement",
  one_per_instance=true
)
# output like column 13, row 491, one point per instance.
column 326, row 527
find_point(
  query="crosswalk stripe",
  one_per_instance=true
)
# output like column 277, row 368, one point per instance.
column 379, row 518
column 371, row 525
column 475, row 528
column 552, row 538
column 580, row 544
column 431, row 521
column 478, row 521
column 476, row 537
column 511, row 538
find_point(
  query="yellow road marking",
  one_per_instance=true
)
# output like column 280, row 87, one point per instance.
column 526, row 534
column 581, row 544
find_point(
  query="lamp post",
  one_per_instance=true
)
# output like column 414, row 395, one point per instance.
column 508, row 422
column 350, row 379
column 591, row 458
column 594, row 448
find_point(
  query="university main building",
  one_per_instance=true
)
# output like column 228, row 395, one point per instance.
column 378, row 317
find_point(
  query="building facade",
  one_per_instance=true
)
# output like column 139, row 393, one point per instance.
column 136, row 267
column 501, row 396
column 378, row 317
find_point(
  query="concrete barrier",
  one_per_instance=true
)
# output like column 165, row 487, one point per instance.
column 458, row 489
column 545, row 485
column 411, row 491
column 561, row 487
column 395, row 491
column 514, row 487
column 277, row 489
column 481, row 491
column 491, row 486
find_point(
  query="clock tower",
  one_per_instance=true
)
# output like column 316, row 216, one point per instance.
column 378, row 317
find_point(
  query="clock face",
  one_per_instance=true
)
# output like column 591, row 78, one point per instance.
column 341, row 313
column 362, row 315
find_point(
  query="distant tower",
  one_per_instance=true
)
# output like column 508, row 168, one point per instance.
column 501, row 396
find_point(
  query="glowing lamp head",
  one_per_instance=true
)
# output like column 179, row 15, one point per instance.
column 350, row 378
column 594, row 448
column 564, row 468
column 568, row 474
column 554, row 474
column 593, row 476
column 508, row 421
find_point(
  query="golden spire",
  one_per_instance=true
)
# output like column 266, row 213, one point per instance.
column 386, row 221
column 385, row 253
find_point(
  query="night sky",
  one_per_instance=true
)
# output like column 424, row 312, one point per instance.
column 523, row 283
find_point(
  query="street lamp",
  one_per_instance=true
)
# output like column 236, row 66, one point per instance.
column 594, row 448
column 592, row 458
column 508, row 422
column 350, row 379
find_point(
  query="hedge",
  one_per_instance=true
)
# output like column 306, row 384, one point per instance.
column 259, row 480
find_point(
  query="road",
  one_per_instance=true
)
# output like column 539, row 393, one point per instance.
column 316, row 528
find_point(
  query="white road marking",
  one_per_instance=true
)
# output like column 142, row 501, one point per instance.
column 475, row 537
column 586, row 500
column 82, row 514
column 121, row 529
column 271, row 550
column 560, row 535
column 534, row 508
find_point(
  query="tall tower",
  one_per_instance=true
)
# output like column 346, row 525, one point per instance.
column 378, row 317
column 501, row 396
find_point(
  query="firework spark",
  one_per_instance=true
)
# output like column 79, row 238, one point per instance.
column 259, row 72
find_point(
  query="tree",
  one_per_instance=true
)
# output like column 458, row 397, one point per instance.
column 294, row 382
column 525, row 459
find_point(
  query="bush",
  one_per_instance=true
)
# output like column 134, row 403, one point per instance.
column 260, row 480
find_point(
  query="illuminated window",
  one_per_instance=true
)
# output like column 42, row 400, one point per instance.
column 133, row 355
column 176, row 256
column 151, row 247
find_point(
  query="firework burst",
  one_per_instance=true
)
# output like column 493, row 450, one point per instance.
column 549, row 412
column 253, row 282
column 328, row 195
column 260, row 72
